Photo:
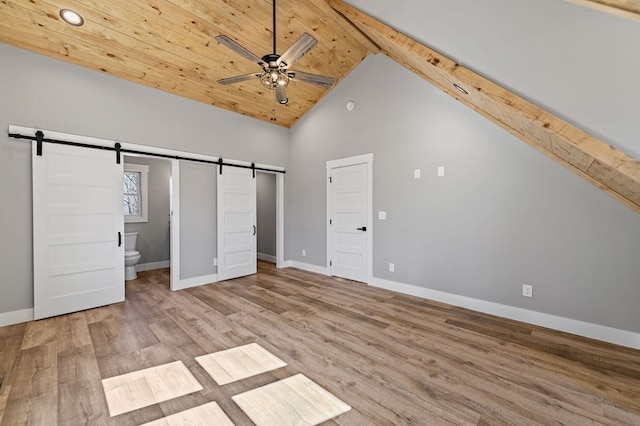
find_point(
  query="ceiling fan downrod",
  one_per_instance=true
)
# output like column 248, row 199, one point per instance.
column 275, row 52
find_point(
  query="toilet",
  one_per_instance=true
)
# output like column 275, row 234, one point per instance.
column 131, row 256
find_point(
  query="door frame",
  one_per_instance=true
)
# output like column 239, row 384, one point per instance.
column 176, row 283
column 344, row 162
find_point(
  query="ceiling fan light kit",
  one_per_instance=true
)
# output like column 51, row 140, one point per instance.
column 275, row 73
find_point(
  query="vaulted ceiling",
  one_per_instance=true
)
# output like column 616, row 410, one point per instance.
column 170, row 45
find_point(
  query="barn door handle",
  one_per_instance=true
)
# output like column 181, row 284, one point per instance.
column 254, row 230
column 364, row 228
column 119, row 239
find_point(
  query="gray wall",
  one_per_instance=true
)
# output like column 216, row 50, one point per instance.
column 198, row 219
column 542, row 50
column 504, row 215
column 153, row 241
column 266, row 211
column 45, row 93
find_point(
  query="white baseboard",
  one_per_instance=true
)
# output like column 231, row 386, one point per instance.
column 306, row 267
column 194, row 282
column 153, row 265
column 266, row 257
column 16, row 317
column 585, row 329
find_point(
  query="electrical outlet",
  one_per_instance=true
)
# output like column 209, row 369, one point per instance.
column 441, row 171
column 392, row 267
column 304, row 252
column 215, row 261
column 416, row 174
column 527, row 290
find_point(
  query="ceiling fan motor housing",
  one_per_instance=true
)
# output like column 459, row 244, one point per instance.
column 275, row 75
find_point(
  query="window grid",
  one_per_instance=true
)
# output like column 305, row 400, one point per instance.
column 132, row 195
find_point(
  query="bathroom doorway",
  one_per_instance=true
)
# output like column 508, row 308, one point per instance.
column 266, row 203
column 147, row 205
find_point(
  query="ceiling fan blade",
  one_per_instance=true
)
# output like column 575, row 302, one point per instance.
column 281, row 95
column 233, row 45
column 298, row 49
column 306, row 77
column 238, row 78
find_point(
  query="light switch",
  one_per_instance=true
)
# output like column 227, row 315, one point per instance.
column 382, row 215
column 416, row 173
column 441, row 171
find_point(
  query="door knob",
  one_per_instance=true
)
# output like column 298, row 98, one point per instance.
column 364, row 228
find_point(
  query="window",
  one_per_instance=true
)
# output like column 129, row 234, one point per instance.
column 135, row 192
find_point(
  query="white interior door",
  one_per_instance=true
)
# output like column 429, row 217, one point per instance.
column 78, row 229
column 237, row 251
column 349, row 219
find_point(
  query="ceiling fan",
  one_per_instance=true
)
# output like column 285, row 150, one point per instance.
column 275, row 74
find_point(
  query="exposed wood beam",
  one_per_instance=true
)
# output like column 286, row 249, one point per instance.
column 604, row 166
column 625, row 8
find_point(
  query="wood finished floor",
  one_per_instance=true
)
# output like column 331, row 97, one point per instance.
column 393, row 358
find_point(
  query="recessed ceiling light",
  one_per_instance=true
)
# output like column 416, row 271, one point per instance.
column 71, row 17
column 460, row 89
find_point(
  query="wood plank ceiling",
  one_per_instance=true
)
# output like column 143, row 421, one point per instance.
column 169, row 45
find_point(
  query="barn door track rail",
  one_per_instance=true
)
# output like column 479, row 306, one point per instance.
column 119, row 150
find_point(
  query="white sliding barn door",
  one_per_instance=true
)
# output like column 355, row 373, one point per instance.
column 78, row 229
column 237, row 251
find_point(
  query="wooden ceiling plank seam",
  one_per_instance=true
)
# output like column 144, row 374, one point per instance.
column 147, row 76
column 224, row 103
column 353, row 37
column 252, row 30
column 100, row 33
column 106, row 45
column 319, row 67
column 629, row 9
column 354, row 41
column 195, row 24
column 294, row 25
column 506, row 109
column 160, row 37
column 169, row 45
column 130, row 73
column 268, row 96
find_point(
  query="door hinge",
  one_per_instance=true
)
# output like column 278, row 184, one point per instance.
column 330, row 263
column 330, row 222
column 330, row 181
